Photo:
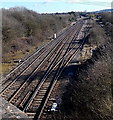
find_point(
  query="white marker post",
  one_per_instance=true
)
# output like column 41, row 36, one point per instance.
column 55, row 36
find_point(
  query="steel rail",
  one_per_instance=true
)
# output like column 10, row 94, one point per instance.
column 45, row 76
column 31, row 65
column 42, row 81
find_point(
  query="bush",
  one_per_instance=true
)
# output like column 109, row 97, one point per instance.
column 19, row 23
column 89, row 94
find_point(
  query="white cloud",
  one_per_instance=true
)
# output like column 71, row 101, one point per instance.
column 74, row 1
column 64, row 0
column 68, row 1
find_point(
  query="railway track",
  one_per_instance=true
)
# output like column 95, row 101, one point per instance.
column 24, row 68
column 52, row 88
column 46, row 103
column 39, row 60
column 31, row 88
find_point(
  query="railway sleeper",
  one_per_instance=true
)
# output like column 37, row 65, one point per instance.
column 33, row 109
column 37, row 102
column 40, row 97
column 42, row 91
column 31, row 115
column 36, row 105
column 44, row 88
column 46, row 83
column 41, row 94
column 52, row 99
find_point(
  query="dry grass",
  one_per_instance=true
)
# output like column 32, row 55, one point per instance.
column 6, row 67
column 10, row 57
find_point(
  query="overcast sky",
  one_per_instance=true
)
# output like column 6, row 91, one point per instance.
column 53, row 6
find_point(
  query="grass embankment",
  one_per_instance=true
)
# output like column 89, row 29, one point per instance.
column 89, row 95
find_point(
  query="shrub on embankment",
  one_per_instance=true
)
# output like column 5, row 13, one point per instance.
column 89, row 95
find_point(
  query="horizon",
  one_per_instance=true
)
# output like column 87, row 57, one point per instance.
column 53, row 12
column 56, row 6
